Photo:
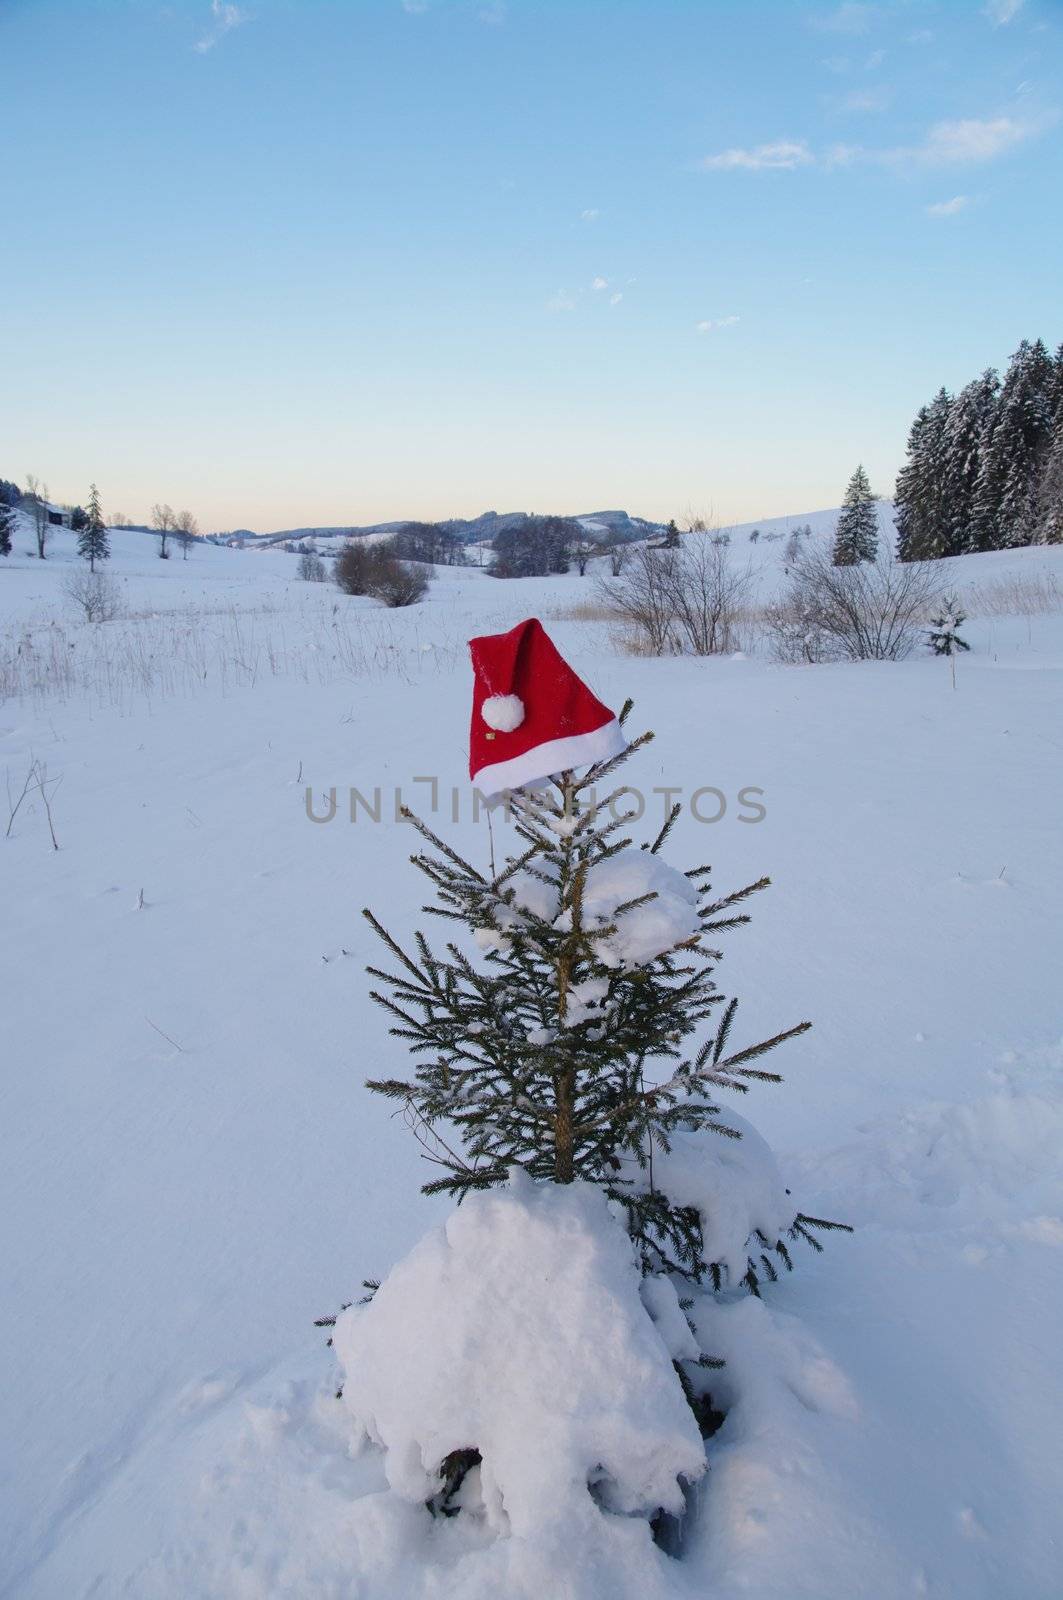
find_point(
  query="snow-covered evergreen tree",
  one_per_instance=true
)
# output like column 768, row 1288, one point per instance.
column 93, row 543
column 920, row 498
column 1004, row 508
column 856, row 536
column 569, row 1049
column 943, row 636
column 1050, row 492
column 7, row 527
column 1049, row 509
column 970, row 423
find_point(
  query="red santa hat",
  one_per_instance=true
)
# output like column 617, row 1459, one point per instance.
column 531, row 714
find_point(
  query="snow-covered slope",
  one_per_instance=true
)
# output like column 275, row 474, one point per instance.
column 191, row 1170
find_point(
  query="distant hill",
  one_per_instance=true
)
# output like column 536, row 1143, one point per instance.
column 472, row 530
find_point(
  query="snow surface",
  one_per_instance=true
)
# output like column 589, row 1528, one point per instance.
column 191, row 1170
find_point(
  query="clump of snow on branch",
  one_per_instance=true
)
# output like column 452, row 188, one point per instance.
column 647, row 930
column 667, row 917
column 733, row 1184
column 516, row 1328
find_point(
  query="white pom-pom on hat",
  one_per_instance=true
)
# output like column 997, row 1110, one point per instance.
column 503, row 712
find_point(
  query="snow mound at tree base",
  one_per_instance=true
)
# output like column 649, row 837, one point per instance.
column 517, row 1329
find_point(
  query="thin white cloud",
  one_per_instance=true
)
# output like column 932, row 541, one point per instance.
column 615, row 299
column 837, row 64
column 782, row 156
column 415, row 8
column 972, row 139
column 590, row 215
column 874, row 60
column 1001, row 12
column 847, row 19
column 949, row 208
column 493, row 14
column 561, row 301
column 867, row 100
column 921, row 36
column 712, row 323
column 599, row 284
column 226, row 18
column 948, row 144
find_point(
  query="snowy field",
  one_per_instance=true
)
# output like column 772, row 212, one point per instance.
column 191, row 1170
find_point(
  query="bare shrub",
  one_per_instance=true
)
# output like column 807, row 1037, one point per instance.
column 311, row 567
column 352, row 567
column 1034, row 594
column 708, row 594
column 794, row 636
column 688, row 598
column 94, row 595
column 374, row 570
column 643, row 598
column 873, row 611
column 399, row 583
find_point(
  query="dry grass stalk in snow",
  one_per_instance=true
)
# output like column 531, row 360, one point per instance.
column 1035, row 594
column 583, row 611
column 184, row 651
column 36, row 781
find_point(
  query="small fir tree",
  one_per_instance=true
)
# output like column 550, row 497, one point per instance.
column 562, row 1051
column 93, row 543
column 943, row 636
column 856, row 538
column 7, row 527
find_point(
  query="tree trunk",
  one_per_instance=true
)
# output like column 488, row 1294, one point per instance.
column 563, row 1152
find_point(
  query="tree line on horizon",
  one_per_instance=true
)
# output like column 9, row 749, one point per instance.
column 984, row 471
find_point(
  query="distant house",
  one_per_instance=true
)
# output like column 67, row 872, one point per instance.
column 58, row 516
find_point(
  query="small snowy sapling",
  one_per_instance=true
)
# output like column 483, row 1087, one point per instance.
column 93, row 544
column 566, row 1088
column 569, row 1048
column 943, row 636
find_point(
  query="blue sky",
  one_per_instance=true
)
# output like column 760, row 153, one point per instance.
column 294, row 262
